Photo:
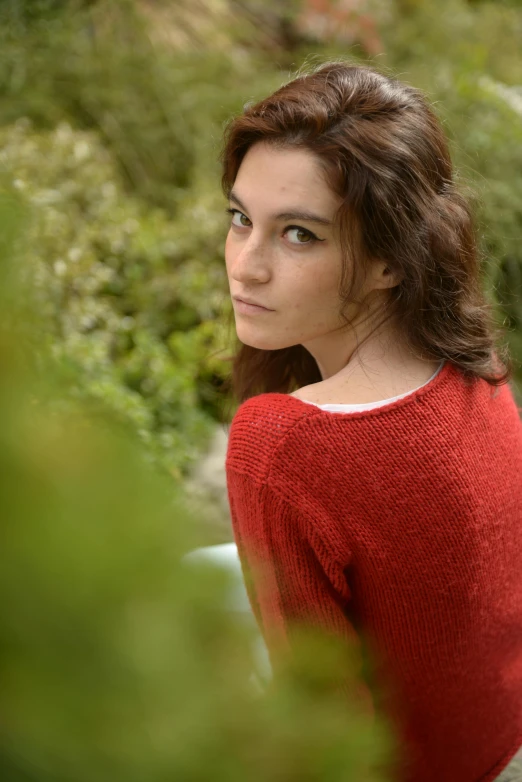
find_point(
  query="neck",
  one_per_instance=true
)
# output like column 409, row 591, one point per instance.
column 370, row 343
column 381, row 368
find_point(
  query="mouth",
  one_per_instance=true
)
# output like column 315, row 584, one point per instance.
column 248, row 307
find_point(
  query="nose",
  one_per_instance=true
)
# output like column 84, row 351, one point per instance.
column 250, row 261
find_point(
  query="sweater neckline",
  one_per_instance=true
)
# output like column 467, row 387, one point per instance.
column 336, row 407
column 435, row 381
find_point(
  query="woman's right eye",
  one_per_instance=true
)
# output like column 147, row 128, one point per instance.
column 239, row 219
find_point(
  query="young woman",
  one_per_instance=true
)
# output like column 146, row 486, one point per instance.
column 374, row 465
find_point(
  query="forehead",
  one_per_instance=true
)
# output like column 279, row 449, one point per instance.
column 284, row 177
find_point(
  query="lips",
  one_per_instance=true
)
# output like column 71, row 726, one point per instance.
column 250, row 301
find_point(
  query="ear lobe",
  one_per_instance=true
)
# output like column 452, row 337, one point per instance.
column 381, row 277
column 384, row 277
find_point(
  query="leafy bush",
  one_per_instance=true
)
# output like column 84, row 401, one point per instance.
column 126, row 295
column 97, row 66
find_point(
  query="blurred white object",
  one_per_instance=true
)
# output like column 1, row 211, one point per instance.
column 226, row 556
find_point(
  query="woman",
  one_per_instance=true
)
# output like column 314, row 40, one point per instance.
column 374, row 464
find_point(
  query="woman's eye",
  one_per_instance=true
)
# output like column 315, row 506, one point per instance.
column 239, row 219
column 300, row 235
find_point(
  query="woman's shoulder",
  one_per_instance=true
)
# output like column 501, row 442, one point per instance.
column 264, row 422
column 260, row 425
column 271, row 413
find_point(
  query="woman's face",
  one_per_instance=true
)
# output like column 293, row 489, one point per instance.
column 282, row 253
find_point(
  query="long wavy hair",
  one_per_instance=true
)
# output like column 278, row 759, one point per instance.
column 384, row 152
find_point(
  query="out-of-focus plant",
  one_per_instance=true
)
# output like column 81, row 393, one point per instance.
column 118, row 661
column 127, row 295
column 158, row 107
column 94, row 67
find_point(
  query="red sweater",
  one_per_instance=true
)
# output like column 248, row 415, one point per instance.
column 404, row 522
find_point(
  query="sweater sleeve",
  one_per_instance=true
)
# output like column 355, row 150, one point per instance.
column 292, row 579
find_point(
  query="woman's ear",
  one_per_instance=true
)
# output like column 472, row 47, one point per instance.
column 382, row 276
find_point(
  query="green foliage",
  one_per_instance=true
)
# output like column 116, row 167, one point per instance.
column 491, row 130
column 95, row 66
column 61, row 66
column 118, row 661
column 125, row 294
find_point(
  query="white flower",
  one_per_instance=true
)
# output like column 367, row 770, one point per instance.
column 60, row 267
column 108, row 190
column 88, row 322
column 47, row 197
column 131, row 225
column 81, row 150
column 74, row 254
column 63, row 133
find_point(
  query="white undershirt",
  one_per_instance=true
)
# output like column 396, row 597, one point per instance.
column 370, row 405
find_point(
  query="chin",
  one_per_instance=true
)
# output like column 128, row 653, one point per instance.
column 263, row 341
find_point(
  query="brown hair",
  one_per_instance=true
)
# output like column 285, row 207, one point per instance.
column 385, row 154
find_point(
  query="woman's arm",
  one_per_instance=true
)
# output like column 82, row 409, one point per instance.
column 294, row 583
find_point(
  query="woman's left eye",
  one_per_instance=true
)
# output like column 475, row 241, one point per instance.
column 302, row 236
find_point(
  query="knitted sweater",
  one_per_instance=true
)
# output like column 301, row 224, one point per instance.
column 401, row 525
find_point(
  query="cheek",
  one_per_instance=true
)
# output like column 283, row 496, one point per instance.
column 315, row 301
column 229, row 251
column 317, row 288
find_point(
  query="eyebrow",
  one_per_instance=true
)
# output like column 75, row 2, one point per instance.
column 294, row 214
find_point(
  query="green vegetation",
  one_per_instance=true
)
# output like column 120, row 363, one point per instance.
column 123, row 292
